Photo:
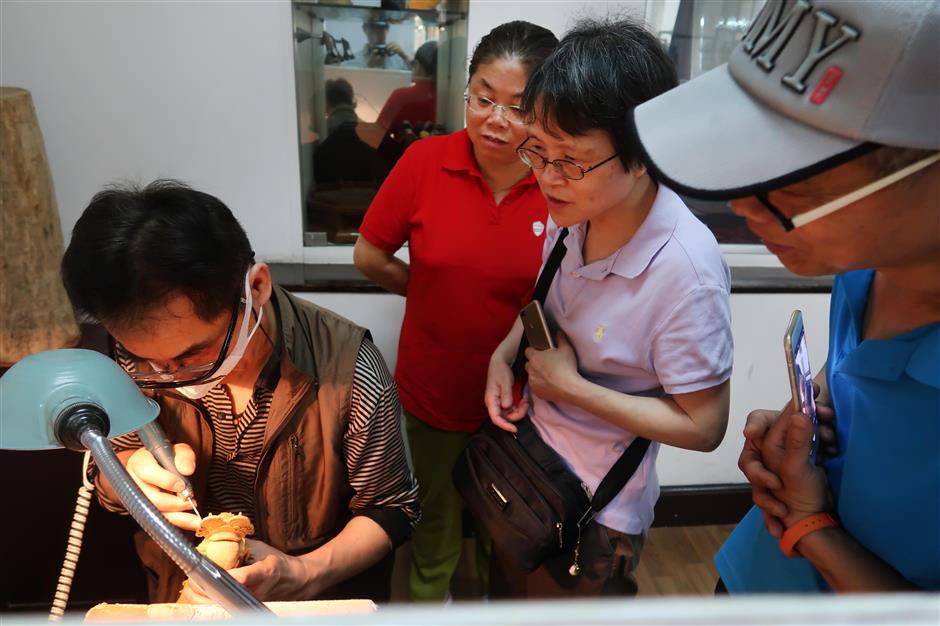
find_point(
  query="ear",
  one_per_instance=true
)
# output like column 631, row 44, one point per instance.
column 260, row 283
column 638, row 170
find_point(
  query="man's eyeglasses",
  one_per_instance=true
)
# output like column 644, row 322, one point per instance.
column 812, row 215
column 191, row 375
column 485, row 106
column 568, row 169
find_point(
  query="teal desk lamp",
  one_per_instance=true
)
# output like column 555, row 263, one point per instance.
column 79, row 399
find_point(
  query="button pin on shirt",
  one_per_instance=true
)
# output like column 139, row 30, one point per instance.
column 538, row 228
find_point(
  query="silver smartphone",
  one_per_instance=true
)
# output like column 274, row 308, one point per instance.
column 798, row 367
column 535, row 326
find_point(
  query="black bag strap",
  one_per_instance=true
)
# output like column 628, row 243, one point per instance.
column 541, row 292
column 623, row 470
column 620, row 474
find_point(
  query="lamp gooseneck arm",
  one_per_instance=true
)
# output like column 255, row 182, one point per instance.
column 216, row 582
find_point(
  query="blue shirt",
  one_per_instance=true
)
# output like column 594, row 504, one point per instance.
column 886, row 479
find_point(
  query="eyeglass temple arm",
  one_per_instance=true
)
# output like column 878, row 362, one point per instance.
column 785, row 221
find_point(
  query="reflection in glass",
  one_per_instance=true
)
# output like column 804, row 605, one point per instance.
column 370, row 81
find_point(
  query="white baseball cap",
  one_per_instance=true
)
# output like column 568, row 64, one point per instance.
column 813, row 84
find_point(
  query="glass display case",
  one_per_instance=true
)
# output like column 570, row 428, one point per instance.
column 371, row 78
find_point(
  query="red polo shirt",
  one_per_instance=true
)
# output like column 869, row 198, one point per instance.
column 416, row 103
column 473, row 266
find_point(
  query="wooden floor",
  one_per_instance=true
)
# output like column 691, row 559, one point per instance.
column 678, row 561
column 675, row 562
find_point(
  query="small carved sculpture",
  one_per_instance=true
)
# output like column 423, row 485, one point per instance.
column 223, row 540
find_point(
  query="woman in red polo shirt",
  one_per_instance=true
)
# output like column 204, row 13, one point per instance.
column 474, row 220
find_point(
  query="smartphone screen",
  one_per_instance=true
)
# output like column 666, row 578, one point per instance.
column 535, row 326
column 801, row 374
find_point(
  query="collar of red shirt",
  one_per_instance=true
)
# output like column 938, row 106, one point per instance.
column 458, row 157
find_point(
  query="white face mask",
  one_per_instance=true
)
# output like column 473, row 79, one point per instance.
column 831, row 207
column 195, row 392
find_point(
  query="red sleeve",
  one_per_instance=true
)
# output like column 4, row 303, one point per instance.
column 387, row 223
column 391, row 108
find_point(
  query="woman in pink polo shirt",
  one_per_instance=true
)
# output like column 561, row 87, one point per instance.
column 475, row 222
column 640, row 304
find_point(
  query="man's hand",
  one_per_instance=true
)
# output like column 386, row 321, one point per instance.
column 376, row 57
column 828, row 439
column 162, row 487
column 763, row 480
column 553, row 373
column 804, row 489
column 270, row 575
column 751, row 462
column 393, row 48
column 498, row 396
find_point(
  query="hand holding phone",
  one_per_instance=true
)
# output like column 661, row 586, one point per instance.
column 801, row 374
column 535, row 326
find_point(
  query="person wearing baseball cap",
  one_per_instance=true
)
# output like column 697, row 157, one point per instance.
column 824, row 129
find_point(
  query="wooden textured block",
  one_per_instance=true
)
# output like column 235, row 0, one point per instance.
column 35, row 313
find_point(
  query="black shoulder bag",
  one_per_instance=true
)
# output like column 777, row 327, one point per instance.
column 521, row 490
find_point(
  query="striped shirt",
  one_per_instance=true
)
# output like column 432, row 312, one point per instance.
column 374, row 449
column 236, row 450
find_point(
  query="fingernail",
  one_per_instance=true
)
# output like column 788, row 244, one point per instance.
column 178, row 486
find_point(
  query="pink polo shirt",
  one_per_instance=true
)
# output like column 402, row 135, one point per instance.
column 653, row 318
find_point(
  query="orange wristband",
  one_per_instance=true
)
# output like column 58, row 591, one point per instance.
column 802, row 528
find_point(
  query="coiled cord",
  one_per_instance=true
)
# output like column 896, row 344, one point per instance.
column 74, row 547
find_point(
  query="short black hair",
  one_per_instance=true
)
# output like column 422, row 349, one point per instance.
column 134, row 247
column 426, row 56
column 528, row 43
column 338, row 91
column 600, row 70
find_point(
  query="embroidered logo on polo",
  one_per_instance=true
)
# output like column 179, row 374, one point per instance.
column 538, row 228
column 771, row 32
column 599, row 333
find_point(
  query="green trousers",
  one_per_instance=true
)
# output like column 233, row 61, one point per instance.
column 438, row 537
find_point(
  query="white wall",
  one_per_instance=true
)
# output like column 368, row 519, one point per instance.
column 759, row 379
column 381, row 313
column 201, row 91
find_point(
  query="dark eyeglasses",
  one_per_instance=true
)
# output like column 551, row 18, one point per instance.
column 785, row 221
column 568, row 169
column 192, row 375
column 805, row 217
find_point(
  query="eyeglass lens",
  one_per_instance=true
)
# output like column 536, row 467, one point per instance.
column 479, row 104
column 535, row 160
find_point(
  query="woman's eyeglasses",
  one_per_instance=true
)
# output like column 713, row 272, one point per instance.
column 485, row 106
column 568, row 169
